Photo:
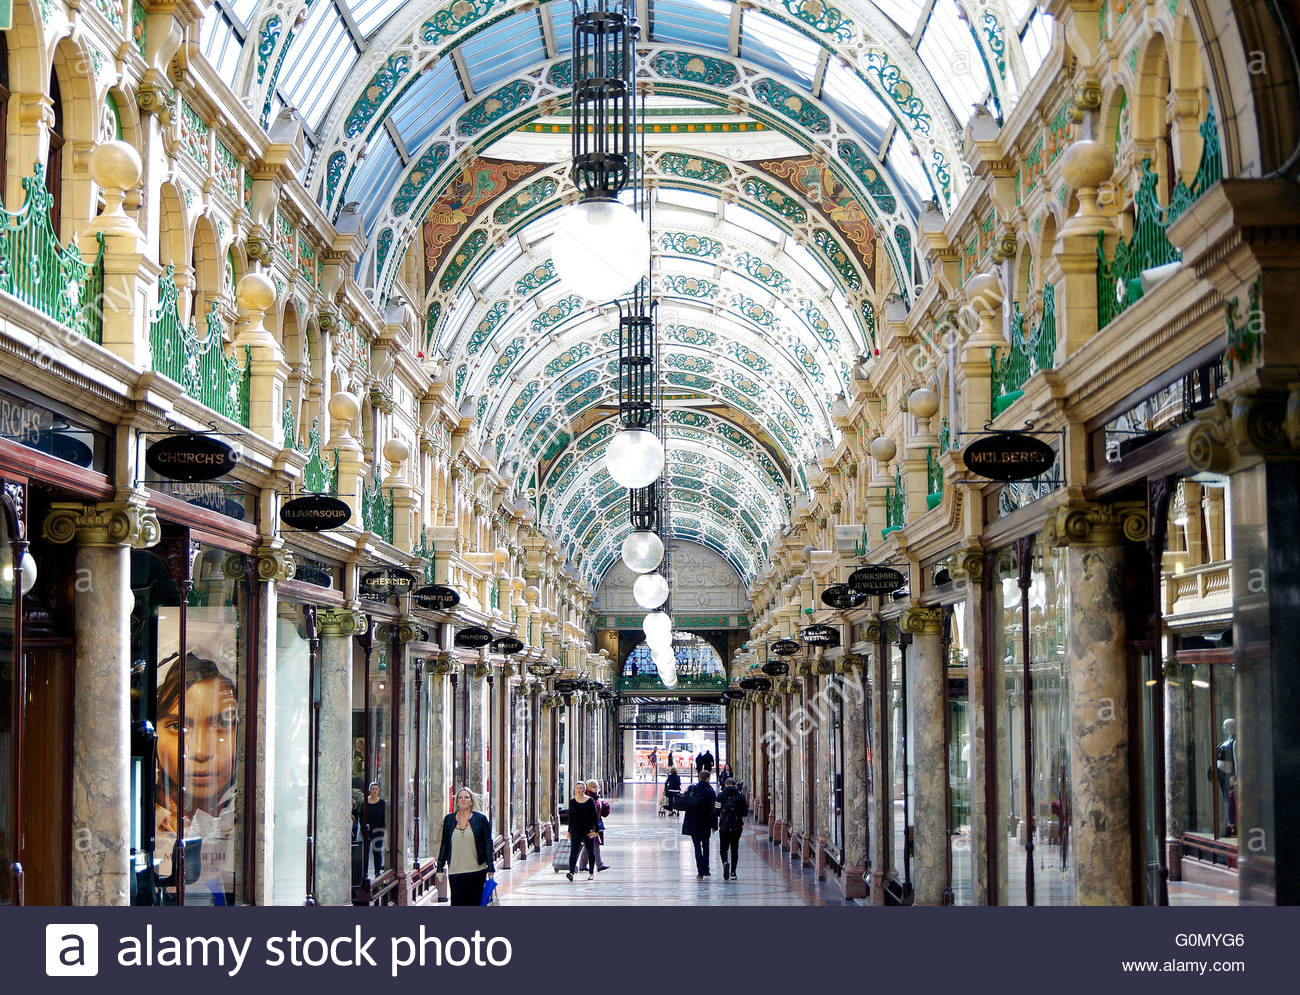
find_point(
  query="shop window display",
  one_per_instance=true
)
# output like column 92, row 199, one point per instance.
column 372, row 760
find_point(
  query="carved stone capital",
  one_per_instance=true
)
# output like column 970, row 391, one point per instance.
column 258, row 245
column 342, row 622
column 850, row 662
column 872, row 632
column 1083, row 523
column 967, row 564
column 156, row 96
column 275, row 563
column 110, row 523
column 921, row 620
column 444, row 664
column 409, row 631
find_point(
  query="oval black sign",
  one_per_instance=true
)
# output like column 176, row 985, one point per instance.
column 777, row 668
column 876, row 580
column 190, row 457
column 566, row 686
column 785, row 647
column 387, row 582
column 541, row 669
column 508, row 645
column 1008, row 456
column 315, row 576
column 820, row 635
column 315, row 513
column 733, row 694
column 473, row 638
column 842, row 596
column 435, row 598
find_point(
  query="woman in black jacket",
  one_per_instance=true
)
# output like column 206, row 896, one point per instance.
column 672, row 786
column 467, row 847
column 583, row 819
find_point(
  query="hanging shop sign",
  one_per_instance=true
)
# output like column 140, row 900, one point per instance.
column 541, row 669
column 820, row 635
column 876, row 580
column 1008, row 456
column 435, row 598
column 315, row 513
column 842, row 596
column 507, row 645
column 475, row 637
column 733, row 694
column 785, row 647
column 190, row 456
column 387, row 582
column 606, row 696
column 566, row 686
column 777, row 668
column 756, row 683
column 313, row 572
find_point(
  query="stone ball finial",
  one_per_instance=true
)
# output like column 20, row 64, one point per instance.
column 344, row 407
column 531, row 594
column 256, row 292
column 1087, row 164
column 923, row 402
column 115, row 165
column 395, row 450
column 501, row 554
column 883, row 448
column 984, row 291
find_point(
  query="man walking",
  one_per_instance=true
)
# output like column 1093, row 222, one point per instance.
column 700, row 804
column 733, row 806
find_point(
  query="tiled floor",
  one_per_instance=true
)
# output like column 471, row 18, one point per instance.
column 651, row 863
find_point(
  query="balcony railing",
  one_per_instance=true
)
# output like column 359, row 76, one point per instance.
column 934, row 479
column 895, row 505
column 691, row 682
column 52, row 278
column 377, row 511
column 1028, row 353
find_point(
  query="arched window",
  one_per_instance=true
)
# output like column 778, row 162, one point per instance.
column 54, row 162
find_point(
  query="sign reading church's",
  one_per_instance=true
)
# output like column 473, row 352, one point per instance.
column 190, row 457
column 1008, row 456
column 315, row 513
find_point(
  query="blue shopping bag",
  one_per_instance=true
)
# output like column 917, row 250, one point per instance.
column 489, row 892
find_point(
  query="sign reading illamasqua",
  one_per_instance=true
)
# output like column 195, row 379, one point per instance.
column 1008, row 456
column 315, row 513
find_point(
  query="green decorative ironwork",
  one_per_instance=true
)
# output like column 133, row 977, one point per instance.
column 861, row 546
column 693, row 167
column 45, row 275
column 838, row 258
column 376, row 92
column 1244, row 338
column 822, row 17
column 899, row 90
column 454, row 18
column 201, row 366
column 377, row 511
column 689, row 286
column 557, row 312
column 529, row 197
column 426, row 550
column 691, row 244
column 945, row 436
column 462, row 259
column 536, row 278
column 992, row 28
column 798, row 108
column 287, row 423
column 649, row 681
column 763, row 272
column 895, row 505
column 934, row 479
column 860, row 163
column 266, row 40
column 494, row 595
column 691, row 335
column 696, row 69
column 493, row 107
column 384, row 246
column 319, row 476
column 425, row 168
column 1030, row 352
column 775, row 200
column 1118, row 278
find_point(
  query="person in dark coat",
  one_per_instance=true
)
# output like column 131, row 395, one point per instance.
column 583, row 820
column 706, row 760
column 467, row 847
column 672, row 787
column 733, row 806
column 700, row 805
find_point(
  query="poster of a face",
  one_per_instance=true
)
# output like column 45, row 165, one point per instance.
column 211, row 739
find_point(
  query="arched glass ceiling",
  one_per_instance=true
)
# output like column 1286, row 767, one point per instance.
column 379, row 76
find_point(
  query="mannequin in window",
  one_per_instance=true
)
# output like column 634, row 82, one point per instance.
column 1226, row 762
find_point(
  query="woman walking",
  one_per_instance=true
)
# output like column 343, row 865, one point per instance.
column 467, row 847
column 583, row 820
column 602, row 809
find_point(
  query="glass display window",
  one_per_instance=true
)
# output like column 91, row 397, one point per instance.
column 291, row 697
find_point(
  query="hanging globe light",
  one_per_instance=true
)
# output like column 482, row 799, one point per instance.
column 650, row 590
column 635, row 458
column 643, row 550
column 600, row 249
column 658, row 627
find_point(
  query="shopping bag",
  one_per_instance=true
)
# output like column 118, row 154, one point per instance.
column 489, row 892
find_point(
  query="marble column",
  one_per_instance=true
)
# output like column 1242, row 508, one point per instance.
column 101, row 736
column 336, row 626
column 1176, row 762
column 498, row 696
column 927, row 755
column 545, row 769
column 437, row 779
column 882, row 829
column 967, row 567
column 475, row 732
column 1100, row 805
column 852, row 883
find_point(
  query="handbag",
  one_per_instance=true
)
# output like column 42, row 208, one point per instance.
column 602, row 807
column 663, row 800
column 490, row 893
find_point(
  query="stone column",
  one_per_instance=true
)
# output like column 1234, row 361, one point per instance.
column 1176, row 760
column 101, row 738
column 545, row 772
column 967, row 567
column 475, row 733
column 1099, row 745
column 852, row 882
column 927, row 755
column 269, row 372
column 882, row 829
column 336, row 626
column 501, row 781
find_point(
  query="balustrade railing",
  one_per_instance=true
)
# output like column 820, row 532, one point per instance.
column 934, row 479
column 50, row 277
column 377, row 511
column 895, row 505
column 1028, row 353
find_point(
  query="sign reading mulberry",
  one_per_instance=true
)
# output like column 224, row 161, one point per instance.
column 315, row 513
column 190, row 456
column 1008, row 456
column 876, row 580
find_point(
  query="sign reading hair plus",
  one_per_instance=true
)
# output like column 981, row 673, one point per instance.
column 435, row 598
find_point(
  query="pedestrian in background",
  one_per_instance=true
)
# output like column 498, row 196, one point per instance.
column 699, row 803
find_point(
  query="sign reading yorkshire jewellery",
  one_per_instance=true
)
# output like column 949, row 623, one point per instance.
column 876, row 580
column 820, row 635
column 473, row 638
column 386, row 582
column 508, row 645
column 435, row 598
column 566, row 686
column 190, row 456
column 785, row 647
column 777, row 668
column 842, row 596
column 315, row 513
column 1008, row 456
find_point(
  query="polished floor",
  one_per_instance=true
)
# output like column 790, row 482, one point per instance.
column 651, row 863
